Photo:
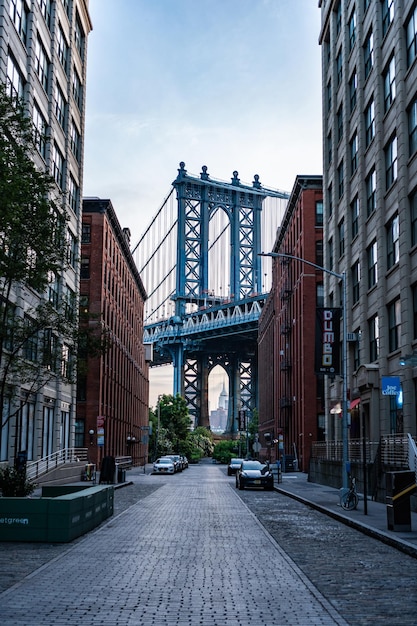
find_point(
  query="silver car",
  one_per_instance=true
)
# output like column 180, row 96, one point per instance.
column 163, row 466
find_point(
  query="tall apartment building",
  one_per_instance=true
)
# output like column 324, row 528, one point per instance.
column 369, row 66
column 291, row 396
column 113, row 390
column 43, row 56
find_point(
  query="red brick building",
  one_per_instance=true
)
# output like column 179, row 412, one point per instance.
column 113, row 392
column 291, row 396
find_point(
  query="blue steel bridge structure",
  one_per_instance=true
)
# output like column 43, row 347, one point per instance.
column 206, row 284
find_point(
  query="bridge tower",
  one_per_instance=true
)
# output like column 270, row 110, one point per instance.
column 194, row 357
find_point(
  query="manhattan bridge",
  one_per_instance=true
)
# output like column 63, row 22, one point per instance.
column 206, row 284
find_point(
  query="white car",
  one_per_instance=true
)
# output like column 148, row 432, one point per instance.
column 163, row 466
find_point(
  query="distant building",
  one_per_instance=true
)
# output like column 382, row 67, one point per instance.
column 113, row 390
column 218, row 417
column 43, row 60
column 291, row 396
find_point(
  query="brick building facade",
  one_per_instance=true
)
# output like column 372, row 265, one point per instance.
column 112, row 395
column 291, row 397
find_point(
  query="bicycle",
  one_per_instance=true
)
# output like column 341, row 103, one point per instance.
column 349, row 500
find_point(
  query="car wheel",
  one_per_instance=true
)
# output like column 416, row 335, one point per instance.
column 241, row 485
column 229, row 473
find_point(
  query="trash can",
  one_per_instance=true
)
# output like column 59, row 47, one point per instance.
column 399, row 487
column 121, row 475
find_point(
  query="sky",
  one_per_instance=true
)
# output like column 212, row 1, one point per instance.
column 231, row 84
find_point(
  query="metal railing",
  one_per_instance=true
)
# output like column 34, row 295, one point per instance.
column 398, row 451
column 34, row 469
column 412, row 456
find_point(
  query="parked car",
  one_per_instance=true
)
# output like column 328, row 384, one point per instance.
column 234, row 466
column 163, row 466
column 184, row 461
column 254, row 474
column 176, row 460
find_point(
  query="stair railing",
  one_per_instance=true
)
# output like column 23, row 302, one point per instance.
column 35, row 469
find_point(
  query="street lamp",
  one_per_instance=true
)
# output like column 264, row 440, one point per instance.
column 342, row 277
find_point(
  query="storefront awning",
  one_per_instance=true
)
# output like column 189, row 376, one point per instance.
column 354, row 403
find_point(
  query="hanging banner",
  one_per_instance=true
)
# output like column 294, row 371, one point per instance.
column 327, row 352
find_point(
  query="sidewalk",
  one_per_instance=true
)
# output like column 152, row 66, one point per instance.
column 326, row 500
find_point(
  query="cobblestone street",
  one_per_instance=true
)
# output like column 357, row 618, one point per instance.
column 185, row 550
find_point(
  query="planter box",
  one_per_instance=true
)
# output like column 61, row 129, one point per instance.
column 60, row 515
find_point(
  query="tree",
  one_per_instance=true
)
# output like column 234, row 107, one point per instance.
column 38, row 319
column 175, row 418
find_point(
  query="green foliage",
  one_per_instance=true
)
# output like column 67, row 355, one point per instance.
column 14, row 484
column 174, row 417
column 224, row 451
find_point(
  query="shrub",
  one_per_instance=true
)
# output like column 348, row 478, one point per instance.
column 14, row 484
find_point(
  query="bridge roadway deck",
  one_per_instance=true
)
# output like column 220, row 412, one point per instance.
column 191, row 553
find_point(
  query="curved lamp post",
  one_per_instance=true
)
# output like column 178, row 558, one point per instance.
column 342, row 277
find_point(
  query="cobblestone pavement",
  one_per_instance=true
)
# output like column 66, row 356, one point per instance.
column 189, row 554
column 183, row 555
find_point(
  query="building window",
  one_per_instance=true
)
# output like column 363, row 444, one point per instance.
column 339, row 18
column 341, row 180
column 69, row 300
column 393, row 242
column 66, row 362
column 79, row 432
column 30, row 347
column 356, row 279
column 353, row 89
column 329, row 148
column 50, row 344
column 394, row 325
column 340, row 123
column 39, row 129
column 414, row 293
column 373, row 327
column 389, row 85
column 412, row 127
column 45, row 6
column 330, row 201
column 391, row 162
column 60, row 105
column 15, row 82
column 41, row 64
column 58, row 166
column 75, row 140
column 354, row 215
column 73, row 195
column 341, row 231
column 79, row 36
column 319, row 252
column 86, row 233
column 354, row 154
column 329, row 96
column 356, row 351
column 372, row 254
column 330, row 253
column 352, row 30
column 77, row 89
column 71, row 248
column 368, row 53
column 320, row 295
column 53, row 288
column 411, row 38
column 370, row 183
column 19, row 15
column 85, row 267
column 387, row 15
column 339, row 68
column 66, row 5
column 413, row 217
column 62, row 49
column 369, row 122
column 319, row 213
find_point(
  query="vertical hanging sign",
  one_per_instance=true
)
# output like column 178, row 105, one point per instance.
column 327, row 352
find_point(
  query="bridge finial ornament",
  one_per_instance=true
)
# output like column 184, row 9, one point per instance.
column 235, row 179
column 204, row 175
column 182, row 172
column 256, row 182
